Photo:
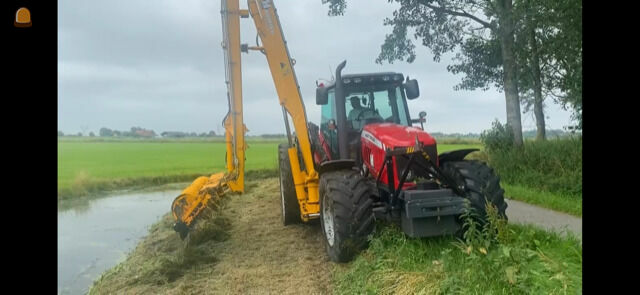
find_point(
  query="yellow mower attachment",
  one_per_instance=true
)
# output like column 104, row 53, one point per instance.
column 195, row 198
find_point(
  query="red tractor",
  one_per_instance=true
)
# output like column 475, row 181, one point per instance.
column 364, row 162
column 374, row 164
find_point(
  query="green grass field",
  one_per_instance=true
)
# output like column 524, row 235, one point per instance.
column 111, row 160
column 83, row 163
column 87, row 165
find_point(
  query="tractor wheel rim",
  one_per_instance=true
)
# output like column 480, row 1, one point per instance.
column 327, row 220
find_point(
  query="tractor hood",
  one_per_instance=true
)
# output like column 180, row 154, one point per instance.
column 390, row 135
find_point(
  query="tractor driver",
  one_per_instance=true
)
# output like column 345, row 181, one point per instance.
column 359, row 114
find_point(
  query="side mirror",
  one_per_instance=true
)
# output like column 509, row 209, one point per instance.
column 412, row 89
column 421, row 120
column 322, row 95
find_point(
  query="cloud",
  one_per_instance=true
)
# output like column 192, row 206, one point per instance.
column 159, row 65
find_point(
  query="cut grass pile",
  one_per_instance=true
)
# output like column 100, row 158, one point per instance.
column 162, row 258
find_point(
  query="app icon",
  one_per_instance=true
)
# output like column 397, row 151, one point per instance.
column 23, row 18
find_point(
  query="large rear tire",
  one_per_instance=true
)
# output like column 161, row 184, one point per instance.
column 289, row 202
column 346, row 213
column 481, row 185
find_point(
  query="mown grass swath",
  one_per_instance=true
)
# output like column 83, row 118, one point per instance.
column 162, row 258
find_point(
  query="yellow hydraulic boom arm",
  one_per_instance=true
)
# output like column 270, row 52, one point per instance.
column 274, row 47
column 233, row 122
column 194, row 198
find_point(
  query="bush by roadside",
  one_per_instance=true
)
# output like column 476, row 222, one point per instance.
column 554, row 165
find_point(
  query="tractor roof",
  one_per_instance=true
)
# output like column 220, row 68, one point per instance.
column 369, row 78
column 379, row 74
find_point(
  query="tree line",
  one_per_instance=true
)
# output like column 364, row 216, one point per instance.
column 530, row 50
column 139, row 132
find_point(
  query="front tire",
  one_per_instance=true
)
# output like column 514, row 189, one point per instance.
column 288, row 201
column 346, row 213
column 481, row 185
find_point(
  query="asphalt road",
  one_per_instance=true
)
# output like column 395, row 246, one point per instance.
column 519, row 212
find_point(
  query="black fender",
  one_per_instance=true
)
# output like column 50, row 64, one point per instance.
column 334, row 165
column 457, row 155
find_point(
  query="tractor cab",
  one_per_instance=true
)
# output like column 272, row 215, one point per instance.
column 357, row 100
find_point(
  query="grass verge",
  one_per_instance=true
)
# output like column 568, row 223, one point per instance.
column 528, row 261
column 241, row 248
column 560, row 202
column 84, row 185
column 162, row 258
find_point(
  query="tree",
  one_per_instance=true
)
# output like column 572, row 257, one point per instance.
column 84, row 129
column 537, row 57
column 91, row 134
column 563, row 44
column 480, row 59
column 444, row 26
column 530, row 52
column 79, row 133
column 60, row 133
column 105, row 132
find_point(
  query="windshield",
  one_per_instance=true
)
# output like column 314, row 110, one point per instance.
column 380, row 104
column 370, row 104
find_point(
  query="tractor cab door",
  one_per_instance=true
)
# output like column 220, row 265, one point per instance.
column 329, row 129
column 329, row 124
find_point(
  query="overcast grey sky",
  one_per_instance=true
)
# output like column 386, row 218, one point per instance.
column 159, row 65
